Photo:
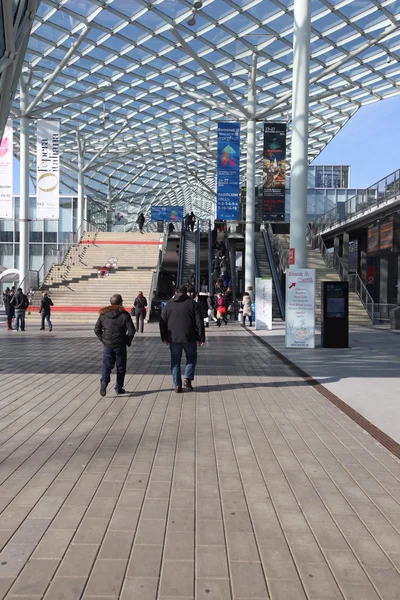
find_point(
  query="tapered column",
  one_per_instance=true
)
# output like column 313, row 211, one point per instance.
column 300, row 106
column 24, row 185
column 81, row 184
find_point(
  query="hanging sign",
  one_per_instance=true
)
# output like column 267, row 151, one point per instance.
column 274, row 171
column 6, row 172
column 292, row 254
column 263, row 287
column 48, row 170
column 228, row 172
column 167, row 213
column 300, row 308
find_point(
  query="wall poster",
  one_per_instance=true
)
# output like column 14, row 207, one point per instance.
column 6, row 172
column 228, row 172
column 274, row 171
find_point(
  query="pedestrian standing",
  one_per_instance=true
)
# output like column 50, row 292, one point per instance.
column 20, row 302
column 221, row 310
column 115, row 330
column 247, row 312
column 8, row 307
column 45, row 309
column 140, row 221
column 182, row 327
column 192, row 220
column 186, row 222
column 139, row 310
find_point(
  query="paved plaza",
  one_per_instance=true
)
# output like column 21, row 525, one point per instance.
column 254, row 487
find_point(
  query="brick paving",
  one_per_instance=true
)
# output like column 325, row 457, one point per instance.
column 254, row 487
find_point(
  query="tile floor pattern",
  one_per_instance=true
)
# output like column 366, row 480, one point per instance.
column 254, row 487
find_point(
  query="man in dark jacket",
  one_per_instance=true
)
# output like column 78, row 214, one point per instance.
column 115, row 330
column 182, row 327
column 20, row 302
column 45, row 309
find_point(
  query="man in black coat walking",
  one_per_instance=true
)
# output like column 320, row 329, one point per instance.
column 115, row 330
column 182, row 327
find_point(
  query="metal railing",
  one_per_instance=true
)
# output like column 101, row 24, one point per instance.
column 156, row 273
column 179, row 272
column 210, row 259
column 280, row 251
column 197, row 273
column 356, row 285
column 274, row 273
column 382, row 191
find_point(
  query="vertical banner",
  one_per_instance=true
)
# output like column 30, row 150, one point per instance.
column 48, row 170
column 6, row 172
column 274, row 171
column 263, row 287
column 228, row 172
column 300, row 308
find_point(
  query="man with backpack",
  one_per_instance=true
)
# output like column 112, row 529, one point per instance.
column 20, row 302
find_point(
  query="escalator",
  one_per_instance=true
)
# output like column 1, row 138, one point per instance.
column 265, row 267
column 188, row 257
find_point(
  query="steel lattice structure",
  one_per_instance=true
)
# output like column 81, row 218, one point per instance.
column 145, row 90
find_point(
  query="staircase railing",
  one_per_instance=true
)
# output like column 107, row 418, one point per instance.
column 280, row 251
column 275, row 278
column 197, row 273
column 179, row 272
column 156, row 273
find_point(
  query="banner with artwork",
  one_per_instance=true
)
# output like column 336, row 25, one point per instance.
column 48, row 170
column 167, row 213
column 6, row 172
column 228, row 172
column 274, row 171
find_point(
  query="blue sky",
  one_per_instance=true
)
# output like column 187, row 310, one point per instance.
column 369, row 143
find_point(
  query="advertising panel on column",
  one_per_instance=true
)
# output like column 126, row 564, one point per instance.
column 300, row 308
column 263, row 287
column 48, row 170
column 274, row 171
column 228, row 172
column 6, row 172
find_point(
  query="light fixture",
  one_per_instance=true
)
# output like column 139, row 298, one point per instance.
column 192, row 20
column 197, row 4
column 389, row 59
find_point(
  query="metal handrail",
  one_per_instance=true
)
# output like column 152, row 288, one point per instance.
column 356, row 284
column 275, row 278
column 179, row 272
column 210, row 259
column 280, row 251
column 156, row 273
column 197, row 273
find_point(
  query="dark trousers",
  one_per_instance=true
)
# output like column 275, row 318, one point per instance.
column 140, row 321
column 112, row 356
column 46, row 316
column 176, row 349
column 10, row 317
column 250, row 320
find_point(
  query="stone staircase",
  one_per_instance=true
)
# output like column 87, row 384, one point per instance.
column 357, row 313
column 75, row 286
column 264, row 270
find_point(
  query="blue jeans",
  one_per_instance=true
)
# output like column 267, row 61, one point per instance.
column 19, row 316
column 190, row 349
column 112, row 356
column 47, row 317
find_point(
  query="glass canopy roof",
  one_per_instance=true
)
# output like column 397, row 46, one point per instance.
column 140, row 85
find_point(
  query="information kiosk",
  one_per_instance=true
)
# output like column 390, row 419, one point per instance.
column 335, row 314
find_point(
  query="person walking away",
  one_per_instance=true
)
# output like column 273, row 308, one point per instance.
column 182, row 327
column 8, row 308
column 219, row 286
column 139, row 309
column 186, row 222
column 115, row 330
column 221, row 310
column 211, row 308
column 246, row 305
column 140, row 221
column 192, row 220
column 45, row 309
column 171, row 228
column 20, row 302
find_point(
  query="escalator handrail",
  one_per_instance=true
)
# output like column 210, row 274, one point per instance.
column 197, row 258
column 210, row 259
column 274, row 273
column 180, row 257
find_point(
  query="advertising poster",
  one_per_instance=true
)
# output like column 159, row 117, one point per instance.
column 167, row 213
column 373, row 238
column 300, row 308
column 228, row 172
column 48, row 169
column 263, row 287
column 386, row 237
column 6, row 172
column 120, row 218
column 274, row 171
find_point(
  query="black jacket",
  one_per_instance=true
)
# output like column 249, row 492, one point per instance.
column 181, row 321
column 114, row 327
column 20, row 301
column 45, row 304
column 8, row 307
column 139, row 306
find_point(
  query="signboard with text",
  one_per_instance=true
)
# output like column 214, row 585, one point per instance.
column 167, row 213
column 228, row 172
column 300, row 308
column 6, row 172
column 274, row 171
column 48, row 169
column 263, row 296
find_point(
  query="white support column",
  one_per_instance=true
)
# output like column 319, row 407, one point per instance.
column 109, row 209
column 81, row 182
column 250, row 181
column 300, row 106
column 24, row 182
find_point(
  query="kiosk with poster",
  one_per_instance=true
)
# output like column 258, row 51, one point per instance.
column 335, row 314
column 300, row 308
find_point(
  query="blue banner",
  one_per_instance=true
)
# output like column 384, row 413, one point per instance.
column 228, row 172
column 167, row 213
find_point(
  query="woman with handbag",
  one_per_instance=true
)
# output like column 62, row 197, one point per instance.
column 139, row 310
